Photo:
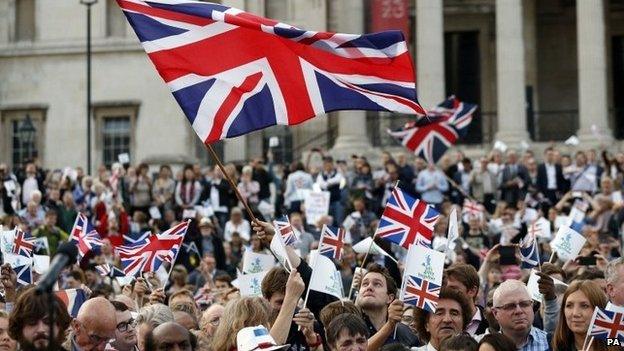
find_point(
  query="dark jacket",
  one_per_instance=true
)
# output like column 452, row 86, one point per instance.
column 542, row 179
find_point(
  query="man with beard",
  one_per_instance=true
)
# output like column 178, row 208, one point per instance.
column 29, row 322
column 451, row 317
column 125, row 334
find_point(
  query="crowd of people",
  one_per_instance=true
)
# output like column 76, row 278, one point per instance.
column 484, row 303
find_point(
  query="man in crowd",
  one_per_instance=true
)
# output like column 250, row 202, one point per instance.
column 550, row 181
column 465, row 279
column 94, row 326
column 347, row 332
column 451, row 317
column 29, row 322
column 377, row 299
column 513, row 309
column 615, row 281
column 170, row 336
column 125, row 332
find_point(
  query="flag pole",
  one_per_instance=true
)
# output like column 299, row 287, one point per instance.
column 459, row 188
column 227, row 176
column 363, row 263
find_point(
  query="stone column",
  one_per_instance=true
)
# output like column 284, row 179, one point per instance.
column 510, row 73
column 430, row 52
column 592, row 72
column 348, row 17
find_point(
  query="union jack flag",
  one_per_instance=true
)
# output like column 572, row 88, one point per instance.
column 233, row 72
column 421, row 293
column 332, row 242
column 85, row 236
column 23, row 243
column 108, row 270
column 282, row 225
column 429, row 137
column 607, row 324
column 150, row 255
column 136, row 238
column 406, row 220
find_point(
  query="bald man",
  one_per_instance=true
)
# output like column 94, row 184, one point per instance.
column 95, row 325
column 170, row 336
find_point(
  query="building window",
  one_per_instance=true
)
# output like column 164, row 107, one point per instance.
column 115, row 20
column 23, row 135
column 24, row 20
column 116, row 138
column 114, row 133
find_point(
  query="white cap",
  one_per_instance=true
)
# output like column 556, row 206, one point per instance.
column 257, row 338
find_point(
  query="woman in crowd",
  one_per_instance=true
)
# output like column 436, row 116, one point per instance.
column 188, row 190
column 238, row 314
column 577, row 308
column 164, row 189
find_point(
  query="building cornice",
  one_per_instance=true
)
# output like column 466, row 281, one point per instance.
column 76, row 47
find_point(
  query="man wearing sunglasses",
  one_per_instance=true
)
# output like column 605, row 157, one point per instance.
column 94, row 326
column 125, row 334
column 513, row 309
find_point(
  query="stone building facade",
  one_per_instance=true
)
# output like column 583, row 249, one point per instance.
column 540, row 70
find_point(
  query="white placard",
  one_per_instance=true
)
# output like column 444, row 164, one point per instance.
column 533, row 287
column 6, row 241
column 250, row 284
column 154, row 212
column 567, row 243
column 316, row 205
column 9, row 185
column 255, row 262
column 16, row 260
column 41, row 263
column 124, row 158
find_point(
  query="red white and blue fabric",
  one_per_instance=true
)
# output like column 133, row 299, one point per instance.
column 472, row 208
column 137, row 238
column 85, row 236
column 608, row 324
column 406, row 220
column 429, row 137
column 23, row 243
column 332, row 242
column 283, row 226
column 73, row 299
column 421, row 293
column 150, row 255
column 108, row 270
column 233, row 72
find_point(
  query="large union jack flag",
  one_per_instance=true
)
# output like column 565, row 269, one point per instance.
column 429, row 137
column 406, row 220
column 149, row 255
column 23, row 243
column 421, row 293
column 607, row 324
column 85, row 236
column 233, row 72
column 283, row 227
column 332, row 242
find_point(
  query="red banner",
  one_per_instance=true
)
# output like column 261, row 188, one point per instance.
column 390, row 14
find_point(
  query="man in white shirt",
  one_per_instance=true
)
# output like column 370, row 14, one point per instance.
column 614, row 275
column 450, row 318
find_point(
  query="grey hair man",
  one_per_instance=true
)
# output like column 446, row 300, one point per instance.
column 614, row 275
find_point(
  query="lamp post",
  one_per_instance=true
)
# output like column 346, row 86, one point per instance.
column 88, row 3
column 27, row 132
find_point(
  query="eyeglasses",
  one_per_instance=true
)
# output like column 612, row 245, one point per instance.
column 512, row 306
column 123, row 326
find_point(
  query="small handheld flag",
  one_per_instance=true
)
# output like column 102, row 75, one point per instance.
column 406, row 220
column 332, row 242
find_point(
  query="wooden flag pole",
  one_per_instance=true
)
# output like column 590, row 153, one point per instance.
column 362, row 265
column 231, row 181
